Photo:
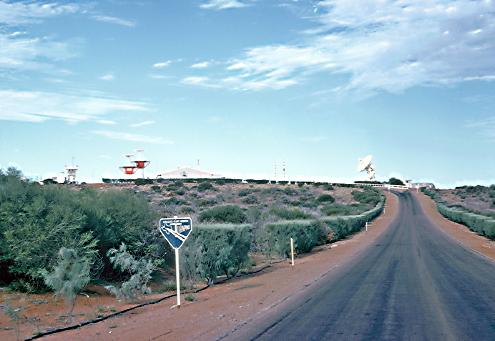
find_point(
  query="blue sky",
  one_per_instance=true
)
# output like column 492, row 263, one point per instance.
column 243, row 85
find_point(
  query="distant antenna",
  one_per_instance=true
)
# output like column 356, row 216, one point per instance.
column 198, row 162
column 365, row 164
column 283, row 169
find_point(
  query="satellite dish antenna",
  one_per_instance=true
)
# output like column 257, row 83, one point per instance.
column 365, row 164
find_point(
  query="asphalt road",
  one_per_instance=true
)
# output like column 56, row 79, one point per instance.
column 415, row 283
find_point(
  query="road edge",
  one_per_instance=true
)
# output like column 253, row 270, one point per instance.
column 459, row 233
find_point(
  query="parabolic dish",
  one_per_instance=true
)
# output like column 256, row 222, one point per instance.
column 364, row 162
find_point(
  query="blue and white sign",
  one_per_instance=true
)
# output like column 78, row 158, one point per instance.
column 175, row 230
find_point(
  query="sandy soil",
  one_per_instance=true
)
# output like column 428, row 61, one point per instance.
column 457, row 231
column 225, row 307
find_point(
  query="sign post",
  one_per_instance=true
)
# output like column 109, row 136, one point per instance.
column 292, row 250
column 176, row 230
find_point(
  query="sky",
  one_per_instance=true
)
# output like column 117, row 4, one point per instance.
column 248, row 86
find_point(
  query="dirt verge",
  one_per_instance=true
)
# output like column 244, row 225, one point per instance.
column 459, row 232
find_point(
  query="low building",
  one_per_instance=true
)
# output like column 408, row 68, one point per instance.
column 188, row 173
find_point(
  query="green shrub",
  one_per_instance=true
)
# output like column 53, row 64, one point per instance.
column 156, row 188
column 207, row 202
column 186, row 209
column 224, row 214
column 326, row 198
column 214, row 250
column 369, row 196
column 141, row 182
column 306, row 235
column 205, row 186
column 342, row 210
column 244, row 192
column 478, row 223
column 138, row 273
column 35, row 221
column 69, row 276
column 341, row 227
column 289, row 214
column 250, row 200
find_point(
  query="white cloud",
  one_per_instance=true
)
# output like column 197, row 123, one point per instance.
column 17, row 13
column 106, row 122
column 223, row 4
column 161, row 65
column 141, row 124
column 116, row 135
column 37, row 106
column 107, row 77
column 199, row 81
column 27, row 53
column 201, row 65
column 384, row 45
column 114, row 20
column 19, row 51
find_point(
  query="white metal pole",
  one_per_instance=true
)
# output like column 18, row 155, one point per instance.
column 366, row 226
column 292, row 250
column 177, row 276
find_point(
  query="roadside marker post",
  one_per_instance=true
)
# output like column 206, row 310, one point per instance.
column 366, row 226
column 292, row 250
column 175, row 231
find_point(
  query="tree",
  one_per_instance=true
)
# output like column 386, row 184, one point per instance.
column 14, row 172
column 69, row 276
column 395, row 181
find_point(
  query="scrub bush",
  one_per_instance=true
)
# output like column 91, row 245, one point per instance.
column 478, row 223
column 327, row 198
column 306, row 235
column 138, row 272
column 224, row 214
column 69, row 276
column 289, row 214
column 214, row 250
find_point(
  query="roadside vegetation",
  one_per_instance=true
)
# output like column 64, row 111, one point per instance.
column 473, row 206
column 62, row 238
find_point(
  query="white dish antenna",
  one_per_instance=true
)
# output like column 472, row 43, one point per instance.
column 365, row 164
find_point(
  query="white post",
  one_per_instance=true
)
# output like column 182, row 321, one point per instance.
column 292, row 250
column 177, row 276
column 366, row 226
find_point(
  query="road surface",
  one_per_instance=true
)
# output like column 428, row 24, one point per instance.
column 415, row 283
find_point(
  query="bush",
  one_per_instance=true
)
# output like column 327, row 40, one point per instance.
column 327, row 198
column 289, row 214
column 156, row 188
column 478, row 223
column 369, row 196
column 224, row 214
column 214, row 250
column 306, row 235
column 250, row 200
column 35, row 221
column 244, row 192
column 205, row 186
column 69, row 276
column 341, row 227
column 141, row 182
column 138, row 272
column 207, row 202
column 342, row 210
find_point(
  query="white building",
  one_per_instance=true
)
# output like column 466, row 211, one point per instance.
column 188, row 173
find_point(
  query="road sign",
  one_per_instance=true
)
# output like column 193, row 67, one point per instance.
column 175, row 230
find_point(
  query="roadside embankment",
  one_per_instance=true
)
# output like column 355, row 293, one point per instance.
column 459, row 232
column 222, row 309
